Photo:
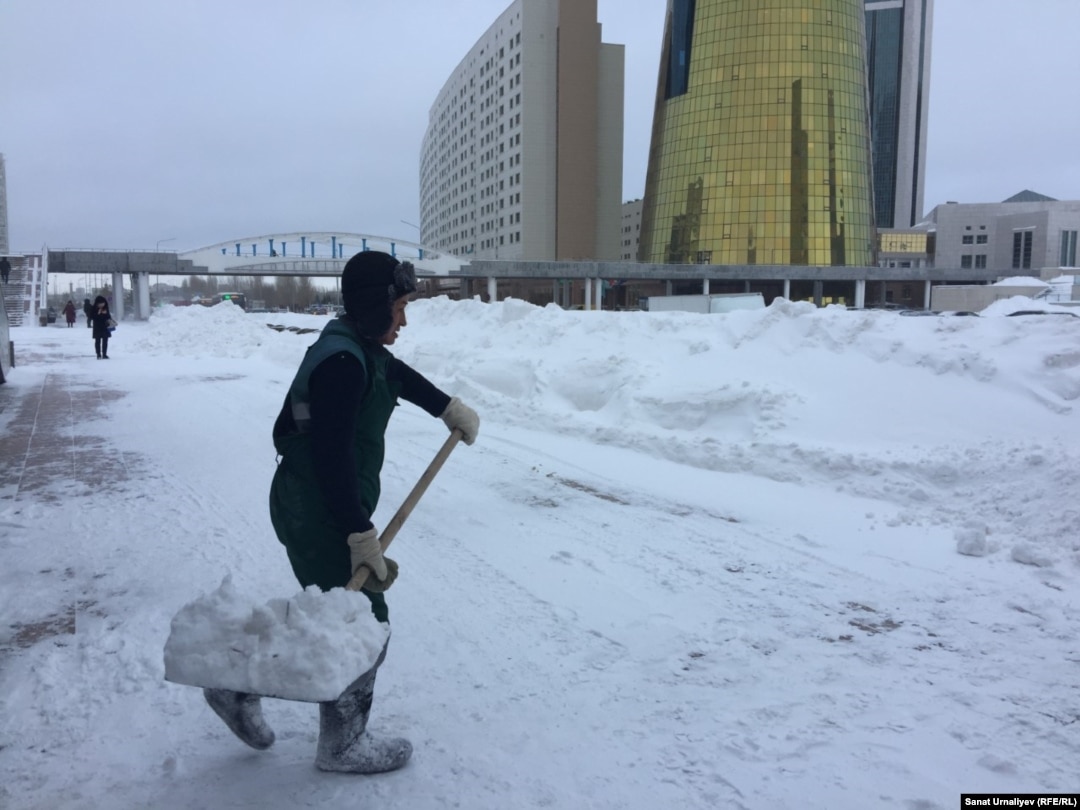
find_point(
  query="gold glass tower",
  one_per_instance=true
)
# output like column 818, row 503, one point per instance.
column 760, row 148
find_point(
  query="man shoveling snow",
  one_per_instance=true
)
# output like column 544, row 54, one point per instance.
column 330, row 436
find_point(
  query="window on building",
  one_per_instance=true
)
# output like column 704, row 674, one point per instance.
column 1068, row 249
column 679, row 45
column 968, row 239
column 1021, row 250
column 981, row 239
column 980, row 260
column 965, row 260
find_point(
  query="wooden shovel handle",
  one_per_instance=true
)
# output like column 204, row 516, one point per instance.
column 398, row 520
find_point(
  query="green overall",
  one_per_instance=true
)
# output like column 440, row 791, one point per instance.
column 316, row 543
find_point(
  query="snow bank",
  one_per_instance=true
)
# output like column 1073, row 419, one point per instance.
column 309, row 647
column 224, row 331
column 1020, row 281
column 792, row 393
column 1018, row 303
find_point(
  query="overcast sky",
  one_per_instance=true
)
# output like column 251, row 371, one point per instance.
column 134, row 124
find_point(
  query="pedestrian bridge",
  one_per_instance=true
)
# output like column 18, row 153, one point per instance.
column 290, row 254
column 324, row 253
column 312, row 253
column 307, row 253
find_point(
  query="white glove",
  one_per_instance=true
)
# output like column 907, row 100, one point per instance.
column 460, row 416
column 365, row 551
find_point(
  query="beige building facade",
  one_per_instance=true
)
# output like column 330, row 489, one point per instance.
column 522, row 157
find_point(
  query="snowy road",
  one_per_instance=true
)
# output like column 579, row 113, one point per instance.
column 578, row 624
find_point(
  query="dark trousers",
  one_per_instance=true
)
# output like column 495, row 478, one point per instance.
column 101, row 346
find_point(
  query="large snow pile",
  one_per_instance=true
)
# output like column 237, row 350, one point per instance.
column 223, row 331
column 308, row 647
column 1020, row 281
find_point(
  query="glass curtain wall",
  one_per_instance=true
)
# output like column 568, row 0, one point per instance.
column 884, row 41
column 760, row 148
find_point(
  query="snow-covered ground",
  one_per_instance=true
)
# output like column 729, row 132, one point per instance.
column 787, row 558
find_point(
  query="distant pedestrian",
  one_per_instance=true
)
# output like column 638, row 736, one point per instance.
column 88, row 311
column 5, row 268
column 103, row 323
column 69, row 313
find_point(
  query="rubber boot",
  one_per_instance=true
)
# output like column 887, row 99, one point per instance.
column 344, row 743
column 242, row 713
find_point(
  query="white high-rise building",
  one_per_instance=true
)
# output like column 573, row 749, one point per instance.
column 631, row 230
column 522, row 158
column 5, row 247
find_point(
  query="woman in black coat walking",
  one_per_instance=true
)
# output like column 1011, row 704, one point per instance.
column 101, row 319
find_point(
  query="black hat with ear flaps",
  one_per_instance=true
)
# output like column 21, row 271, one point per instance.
column 370, row 284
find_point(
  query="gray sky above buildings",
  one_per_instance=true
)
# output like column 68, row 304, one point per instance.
column 128, row 124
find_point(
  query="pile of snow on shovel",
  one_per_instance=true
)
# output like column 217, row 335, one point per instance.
column 308, row 647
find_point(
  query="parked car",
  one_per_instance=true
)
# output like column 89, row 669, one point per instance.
column 926, row 312
column 1021, row 312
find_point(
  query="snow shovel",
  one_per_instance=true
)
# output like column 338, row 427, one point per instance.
column 403, row 512
column 222, row 642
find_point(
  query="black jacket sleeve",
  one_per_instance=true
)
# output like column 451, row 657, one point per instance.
column 417, row 389
column 336, row 387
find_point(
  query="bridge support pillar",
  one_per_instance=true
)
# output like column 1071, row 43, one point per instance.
column 140, row 295
column 787, row 289
column 599, row 285
column 860, row 293
column 117, row 306
column 819, row 289
column 926, row 294
column 704, row 286
column 588, row 293
column 493, row 293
